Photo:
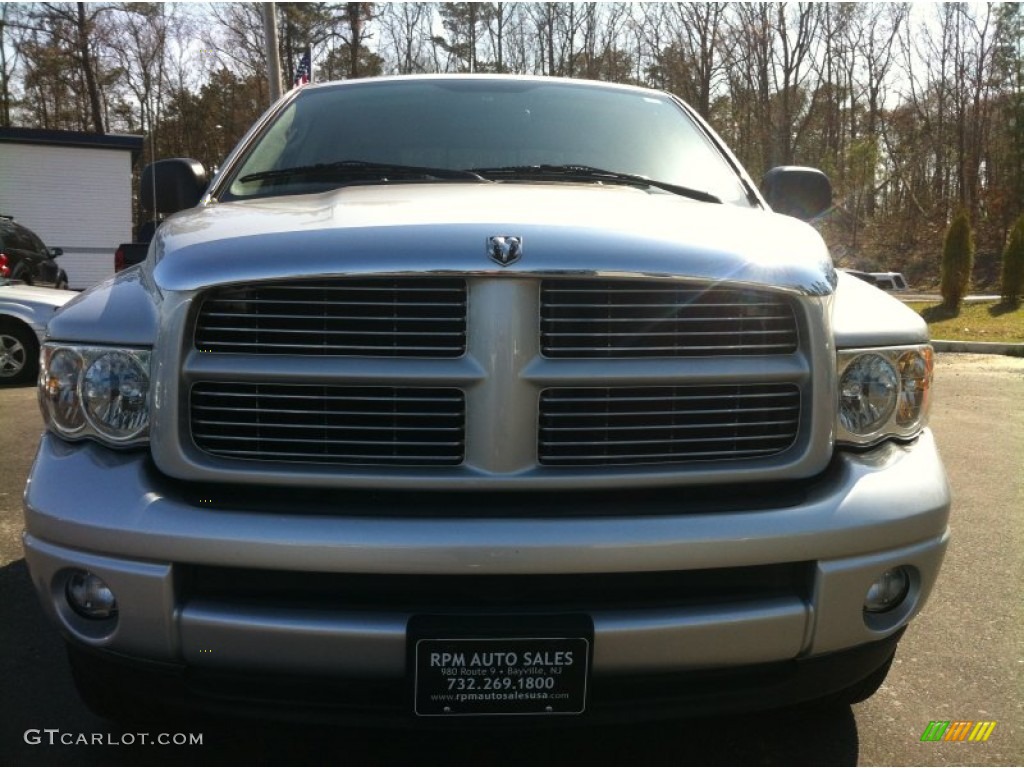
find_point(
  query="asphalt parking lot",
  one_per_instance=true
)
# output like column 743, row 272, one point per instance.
column 962, row 659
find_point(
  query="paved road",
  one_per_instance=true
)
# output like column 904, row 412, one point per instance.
column 962, row 659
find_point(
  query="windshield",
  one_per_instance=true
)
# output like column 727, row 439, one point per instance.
column 483, row 124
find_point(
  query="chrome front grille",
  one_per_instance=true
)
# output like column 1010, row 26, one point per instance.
column 314, row 424
column 407, row 317
column 629, row 318
column 531, row 386
column 666, row 425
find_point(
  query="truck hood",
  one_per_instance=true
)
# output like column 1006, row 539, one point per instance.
column 444, row 228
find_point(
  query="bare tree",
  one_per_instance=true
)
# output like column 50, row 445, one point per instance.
column 913, row 110
column 8, row 63
column 687, row 48
column 136, row 37
column 73, row 26
column 407, row 32
column 235, row 37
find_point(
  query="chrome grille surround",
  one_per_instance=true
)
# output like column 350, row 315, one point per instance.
column 627, row 318
column 666, row 425
column 502, row 375
column 372, row 317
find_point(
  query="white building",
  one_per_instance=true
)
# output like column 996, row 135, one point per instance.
column 74, row 190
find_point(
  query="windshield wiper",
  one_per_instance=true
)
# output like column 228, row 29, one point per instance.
column 359, row 170
column 589, row 173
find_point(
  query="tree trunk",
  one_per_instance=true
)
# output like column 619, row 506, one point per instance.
column 95, row 104
column 355, row 22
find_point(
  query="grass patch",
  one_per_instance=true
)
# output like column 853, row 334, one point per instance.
column 977, row 321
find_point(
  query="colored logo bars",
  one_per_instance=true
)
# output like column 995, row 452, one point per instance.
column 958, row 730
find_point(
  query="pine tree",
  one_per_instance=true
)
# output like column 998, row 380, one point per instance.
column 1013, row 265
column 957, row 261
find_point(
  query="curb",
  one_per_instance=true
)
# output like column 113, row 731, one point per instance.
column 979, row 347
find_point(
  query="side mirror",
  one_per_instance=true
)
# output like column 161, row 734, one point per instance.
column 55, row 252
column 795, row 191
column 169, row 186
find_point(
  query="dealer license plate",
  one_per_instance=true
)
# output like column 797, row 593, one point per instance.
column 501, row 676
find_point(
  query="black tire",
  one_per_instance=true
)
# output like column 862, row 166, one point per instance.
column 62, row 281
column 23, row 275
column 19, row 353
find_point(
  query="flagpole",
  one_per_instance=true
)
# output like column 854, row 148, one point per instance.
column 273, row 56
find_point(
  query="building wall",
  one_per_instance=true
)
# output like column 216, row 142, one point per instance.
column 75, row 198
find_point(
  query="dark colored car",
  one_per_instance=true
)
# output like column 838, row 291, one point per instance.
column 129, row 254
column 24, row 257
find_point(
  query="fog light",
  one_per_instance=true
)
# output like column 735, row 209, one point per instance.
column 887, row 591
column 90, row 596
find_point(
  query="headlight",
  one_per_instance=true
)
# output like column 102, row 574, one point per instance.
column 883, row 393
column 100, row 392
column 867, row 394
column 915, row 371
column 58, row 389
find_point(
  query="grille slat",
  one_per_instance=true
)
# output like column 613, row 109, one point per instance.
column 324, row 442
column 384, row 286
column 601, row 459
column 673, row 426
column 360, row 398
column 341, row 425
column 402, row 317
column 327, row 332
column 673, row 398
column 348, row 302
column 661, row 441
column 666, row 425
column 647, row 334
column 286, row 316
column 256, row 424
column 341, row 350
column 296, row 412
column 355, row 459
column 676, row 350
column 673, row 299
column 556, row 320
column 624, row 319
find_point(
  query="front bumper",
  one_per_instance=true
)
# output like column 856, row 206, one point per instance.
column 112, row 513
column 621, row 698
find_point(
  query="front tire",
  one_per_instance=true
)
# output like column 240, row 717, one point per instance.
column 19, row 353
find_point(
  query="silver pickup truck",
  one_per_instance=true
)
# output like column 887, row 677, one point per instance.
column 455, row 397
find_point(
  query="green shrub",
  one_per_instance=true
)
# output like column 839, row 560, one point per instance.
column 1013, row 265
column 957, row 261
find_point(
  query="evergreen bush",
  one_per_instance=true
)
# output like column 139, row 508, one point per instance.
column 957, row 261
column 1013, row 265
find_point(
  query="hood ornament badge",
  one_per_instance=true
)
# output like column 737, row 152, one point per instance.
column 504, row 249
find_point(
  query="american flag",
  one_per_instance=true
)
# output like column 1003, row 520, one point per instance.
column 302, row 74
